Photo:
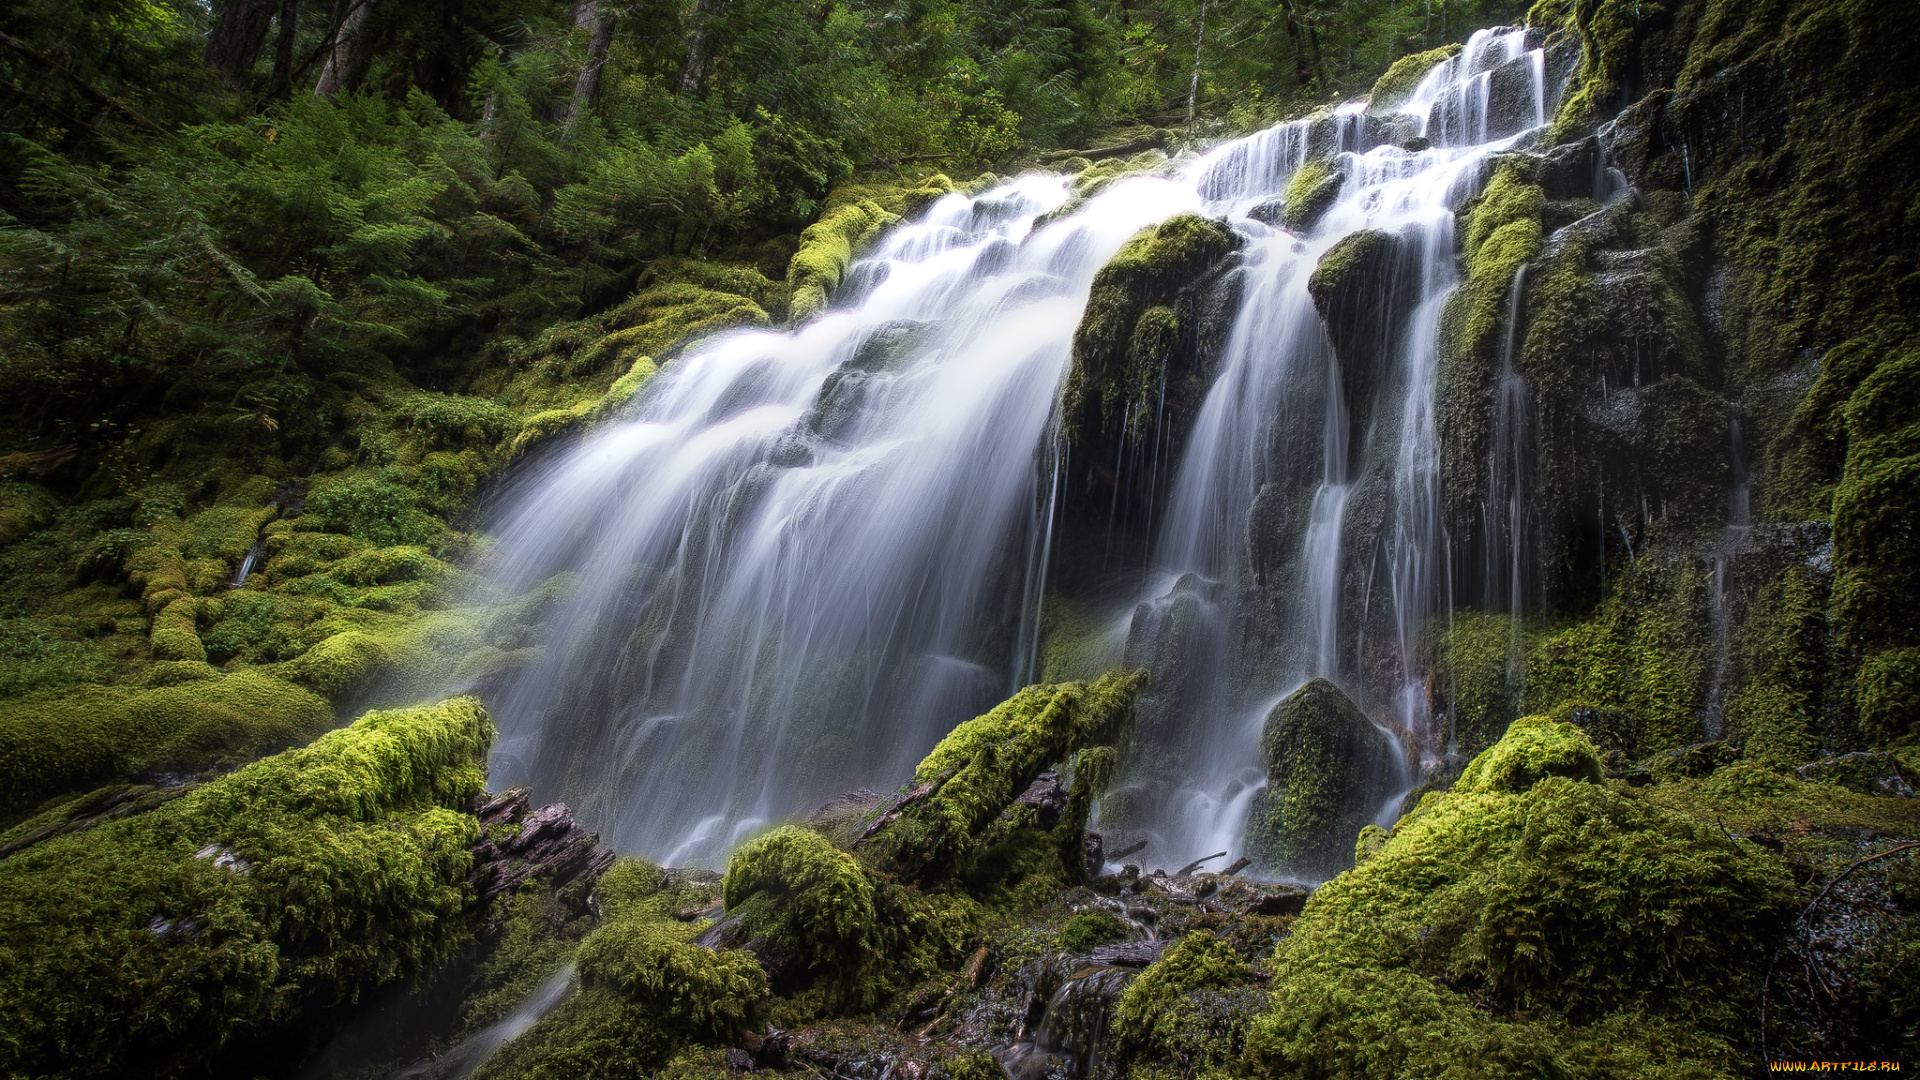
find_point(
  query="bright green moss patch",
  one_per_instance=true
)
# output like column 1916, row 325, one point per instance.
column 1088, row 929
column 827, row 249
column 1645, row 652
column 1534, row 748
column 1396, row 85
column 50, row 745
column 1480, row 655
column 1156, row 1010
column 1569, row 928
column 294, row 885
column 970, row 777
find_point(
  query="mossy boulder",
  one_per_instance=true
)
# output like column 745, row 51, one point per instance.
column 1143, row 352
column 1173, row 1010
column 1330, row 770
column 1560, row 927
column 799, row 896
column 959, row 807
column 1311, row 192
column 1534, row 748
column 249, row 904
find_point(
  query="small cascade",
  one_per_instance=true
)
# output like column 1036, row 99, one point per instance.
column 1065, row 1026
column 1732, row 540
column 246, row 566
column 466, row 1057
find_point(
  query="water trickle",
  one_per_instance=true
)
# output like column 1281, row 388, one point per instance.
column 1732, row 540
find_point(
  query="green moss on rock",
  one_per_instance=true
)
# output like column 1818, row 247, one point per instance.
column 1311, row 192
column 827, row 249
column 1329, row 771
column 941, row 819
column 294, row 885
column 801, row 896
column 1534, row 748
column 1560, row 928
column 1396, row 85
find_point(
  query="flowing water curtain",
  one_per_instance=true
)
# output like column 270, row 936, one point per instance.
column 812, row 553
column 1308, row 493
column 805, row 559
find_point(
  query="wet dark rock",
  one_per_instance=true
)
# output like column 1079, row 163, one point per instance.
column 1573, row 170
column 1363, row 289
column 1093, row 854
column 1130, row 954
column 1282, row 900
column 1048, row 797
column 739, row 1060
column 518, row 843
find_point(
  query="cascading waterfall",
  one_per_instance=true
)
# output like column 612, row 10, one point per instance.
column 1280, row 380
column 807, row 555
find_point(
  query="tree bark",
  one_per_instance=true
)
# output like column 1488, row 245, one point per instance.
column 588, row 84
column 239, row 31
column 586, row 14
column 694, row 75
column 283, row 46
column 347, row 55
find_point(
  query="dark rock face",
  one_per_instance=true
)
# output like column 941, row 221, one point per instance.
column 517, row 843
column 1329, row 770
column 1143, row 360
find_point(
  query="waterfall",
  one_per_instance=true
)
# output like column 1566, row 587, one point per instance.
column 1364, row 592
column 805, row 556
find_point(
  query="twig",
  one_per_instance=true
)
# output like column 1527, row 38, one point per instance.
column 1128, row 850
column 1238, row 865
column 1195, row 864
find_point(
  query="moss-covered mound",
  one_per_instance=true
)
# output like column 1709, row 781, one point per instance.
column 1397, row 83
column 1183, row 1007
column 798, row 895
column 1530, row 923
column 1330, row 770
column 292, row 886
column 950, row 817
column 645, row 991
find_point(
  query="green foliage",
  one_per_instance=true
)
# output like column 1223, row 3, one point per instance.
column 295, row 884
column 1478, row 666
column 1091, row 928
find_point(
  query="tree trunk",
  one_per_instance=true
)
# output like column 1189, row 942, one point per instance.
column 586, row 14
column 347, row 56
column 1199, row 41
column 283, row 47
column 1302, row 71
column 239, row 31
column 694, row 76
column 588, row 84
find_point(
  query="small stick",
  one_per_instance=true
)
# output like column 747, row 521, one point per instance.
column 1195, row 864
column 1128, row 850
column 1238, row 865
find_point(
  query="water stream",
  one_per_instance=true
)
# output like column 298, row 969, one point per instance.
column 807, row 555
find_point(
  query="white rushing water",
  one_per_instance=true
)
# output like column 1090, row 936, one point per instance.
column 807, row 555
